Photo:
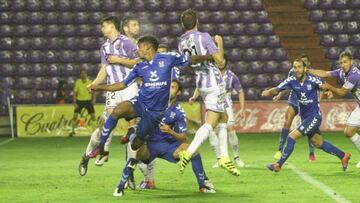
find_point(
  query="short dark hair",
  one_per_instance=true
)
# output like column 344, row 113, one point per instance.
column 189, row 19
column 304, row 55
column 179, row 84
column 300, row 60
column 112, row 19
column 346, row 54
column 149, row 39
column 125, row 22
column 164, row 46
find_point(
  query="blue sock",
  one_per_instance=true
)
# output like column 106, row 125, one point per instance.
column 198, row 169
column 311, row 146
column 284, row 132
column 127, row 172
column 290, row 144
column 109, row 125
column 331, row 149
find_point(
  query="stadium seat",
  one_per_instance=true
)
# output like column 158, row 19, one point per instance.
column 345, row 14
column 21, row 43
column 37, row 31
column 50, row 56
column 240, row 67
column 355, row 4
column 352, row 27
column 66, row 18
column 66, row 56
column 252, row 29
column 51, row 18
column 270, row 67
column 247, row 16
column 331, row 15
column 285, row 66
column 70, row 43
column 279, row 54
column 158, row 17
column 68, row 70
column 123, row 5
column 175, row 30
column 81, row 17
column 251, row 94
column 333, row 53
column 227, row 5
column 273, row 41
column 95, row 17
column 339, row 4
column 342, row 40
column 243, row 41
column 16, row 5
column 265, row 54
column 48, row 5
column 258, row 41
column 356, row 15
column 278, row 78
column 246, row 80
column 83, row 30
column 322, row 27
column 355, row 39
column 229, row 41
column 20, row 30
column 7, row 69
column 53, row 70
column 153, row 5
column 33, row 5
column 19, row 56
column 325, row 4
column 262, row 80
column 6, row 43
column 53, row 83
column 233, row 16
column 172, row 17
column 23, row 83
column 241, row 4
column 238, row 29
column 266, row 29
column 255, row 5
column 336, row 27
column 311, row 4
column 5, row 31
column 255, row 67
column 316, row 15
column 207, row 28
column 138, row 5
column 5, row 56
column 82, row 56
column 35, row 18
column 108, row 5
column 261, row 17
column 235, row 54
column 6, row 17
column 38, row 69
column 66, row 30
column 327, row 40
column 217, row 17
column 223, row 29
column 39, row 43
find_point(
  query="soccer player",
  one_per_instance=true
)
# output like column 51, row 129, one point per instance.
column 117, row 57
column 349, row 75
column 305, row 87
column 211, row 88
column 290, row 114
column 82, row 99
column 166, row 142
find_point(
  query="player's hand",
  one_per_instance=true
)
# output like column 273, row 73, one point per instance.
column 329, row 94
column 325, row 86
column 277, row 97
column 192, row 100
column 165, row 129
column 218, row 39
column 112, row 59
column 93, row 87
column 88, row 87
column 265, row 93
column 242, row 113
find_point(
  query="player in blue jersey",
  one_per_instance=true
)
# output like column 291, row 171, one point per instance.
column 166, row 143
column 305, row 87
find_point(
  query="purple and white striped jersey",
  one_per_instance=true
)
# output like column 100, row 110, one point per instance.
column 122, row 46
column 350, row 81
column 232, row 82
column 200, row 43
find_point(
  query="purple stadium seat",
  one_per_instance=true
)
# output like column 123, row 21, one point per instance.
column 6, row 43
column 66, row 18
column 255, row 5
column 238, row 29
column 123, row 5
column 255, row 67
column 252, row 29
column 53, row 30
column 233, row 16
column 95, row 17
column 23, row 83
column 240, row 67
column 70, row 43
column 53, row 83
column 262, row 80
column 51, row 56
column 217, row 17
column 243, row 41
column 16, row 5
column 5, row 31
column 48, row 5
column 241, row 4
column 336, row 27
column 153, row 5
column 67, row 56
column 327, row 40
column 316, row 15
column 70, row 82
column 138, row 5
column 158, row 17
column 247, row 16
column 198, row 5
column 258, row 41
column 204, row 17
column 23, row 96
column 339, row 4
column 50, row 18
column 210, row 28
column 161, row 29
column 5, row 56
column 39, row 43
column 78, row 5
column 273, row 41
column 235, row 54
column 279, row 54
column 94, row 57
column 355, row 39
column 175, row 30
column 21, row 43
column 173, row 17
column 88, row 43
column 64, row 5
column 266, row 29
column 278, row 78
column 333, row 52
column 82, row 56
column 332, row 15
column 227, row 5
column 229, row 41
column 35, row 18
column 20, row 30
column 251, row 94
column 223, row 29
column 38, row 69
column 81, row 18
column 33, row 5
column 7, row 69
column 10, row 81
column 20, row 18
column 285, row 66
column 6, row 17
column 270, row 67
column 261, row 17
column 325, row 4
column 356, row 15
column 108, row 5
column 68, row 70
column 54, row 43
column 53, row 70
column 19, row 56
column 345, row 14
column 354, row 4
column 67, row 30
column 265, row 54
column 36, row 31
column 247, row 80
column 182, row 5
column 322, row 28
column 83, row 30
column 352, row 27
column 212, row 5
column 342, row 40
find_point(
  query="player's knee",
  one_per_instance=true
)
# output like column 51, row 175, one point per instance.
column 136, row 144
column 349, row 132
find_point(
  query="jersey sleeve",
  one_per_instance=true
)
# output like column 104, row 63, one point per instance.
column 335, row 73
column 76, row 86
column 236, row 83
column 134, row 73
column 209, row 44
column 285, row 84
column 130, row 49
column 103, row 56
column 317, row 81
column 180, row 126
column 180, row 60
column 351, row 81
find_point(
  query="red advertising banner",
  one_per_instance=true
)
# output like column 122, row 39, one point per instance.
column 270, row 116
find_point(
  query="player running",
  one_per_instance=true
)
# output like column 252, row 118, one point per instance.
column 305, row 87
column 118, row 55
column 211, row 88
column 349, row 75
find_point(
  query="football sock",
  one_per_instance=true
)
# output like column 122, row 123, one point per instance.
column 284, row 132
column 109, row 125
column 198, row 169
column 331, row 149
column 200, row 136
column 214, row 143
column 290, row 144
column 355, row 139
column 223, row 142
column 233, row 140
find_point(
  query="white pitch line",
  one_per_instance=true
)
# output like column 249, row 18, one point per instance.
column 326, row 189
column 6, row 141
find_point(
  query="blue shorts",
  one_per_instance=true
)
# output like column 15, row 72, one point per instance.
column 163, row 150
column 293, row 102
column 149, row 119
column 310, row 126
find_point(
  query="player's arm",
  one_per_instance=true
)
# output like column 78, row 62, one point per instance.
column 278, row 96
column 270, row 92
column 219, row 55
column 342, row 91
column 242, row 102
column 195, row 96
column 114, row 87
column 197, row 59
column 75, row 93
column 178, row 136
column 127, row 62
column 319, row 73
column 93, row 97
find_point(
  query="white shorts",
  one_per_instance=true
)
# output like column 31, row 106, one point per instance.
column 354, row 118
column 115, row 98
column 214, row 98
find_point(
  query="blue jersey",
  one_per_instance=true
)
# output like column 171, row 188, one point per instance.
column 292, row 97
column 156, row 79
column 306, row 93
column 175, row 117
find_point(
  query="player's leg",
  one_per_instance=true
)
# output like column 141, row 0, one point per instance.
column 214, row 144
column 148, row 170
column 311, row 150
column 74, row 120
column 352, row 128
column 327, row 147
column 105, row 156
column 131, row 131
column 233, row 139
column 290, row 114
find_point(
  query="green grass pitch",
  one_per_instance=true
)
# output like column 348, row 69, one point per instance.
column 45, row 170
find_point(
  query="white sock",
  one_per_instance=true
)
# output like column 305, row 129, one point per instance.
column 151, row 170
column 108, row 142
column 222, row 129
column 233, row 140
column 94, row 140
column 214, row 143
column 131, row 153
column 200, row 136
column 355, row 139
column 144, row 170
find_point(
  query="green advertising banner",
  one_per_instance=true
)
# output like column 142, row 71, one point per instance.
column 56, row 120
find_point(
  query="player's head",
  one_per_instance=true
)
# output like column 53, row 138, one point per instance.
column 147, row 46
column 109, row 25
column 345, row 60
column 83, row 74
column 189, row 19
column 299, row 68
column 163, row 48
column 225, row 65
column 175, row 89
column 306, row 59
column 130, row 26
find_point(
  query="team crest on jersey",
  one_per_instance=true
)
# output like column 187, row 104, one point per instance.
column 309, row 86
column 161, row 64
column 172, row 115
